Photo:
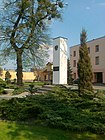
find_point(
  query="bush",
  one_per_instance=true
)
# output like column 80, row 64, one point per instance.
column 88, row 94
column 32, row 89
column 59, row 109
column 1, row 90
column 7, row 77
column 100, row 94
column 2, row 83
column 19, row 110
column 18, row 90
column 31, row 113
column 2, row 86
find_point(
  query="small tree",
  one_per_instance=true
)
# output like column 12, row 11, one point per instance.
column 7, row 77
column 69, row 73
column 84, row 65
column 1, row 71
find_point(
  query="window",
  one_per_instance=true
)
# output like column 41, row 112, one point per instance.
column 97, row 48
column 74, row 53
column 88, row 49
column 97, row 60
column 74, row 63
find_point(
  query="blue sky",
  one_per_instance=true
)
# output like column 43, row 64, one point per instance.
column 88, row 14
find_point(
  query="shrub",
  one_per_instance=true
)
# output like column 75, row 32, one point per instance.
column 32, row 89
column 7, row 77
column 1, row 90
column 2, row 83
column 2, row 86
column 88, row 94
column 30, row 112
column 18, row 90
column 59, row 109
column 100, row 94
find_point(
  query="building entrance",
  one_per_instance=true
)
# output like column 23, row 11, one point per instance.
column 98, row 77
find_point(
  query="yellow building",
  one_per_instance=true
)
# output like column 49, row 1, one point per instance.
column 39, row 74
column 27, row 76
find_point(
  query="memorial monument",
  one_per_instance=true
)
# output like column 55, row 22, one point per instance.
column 60, row 60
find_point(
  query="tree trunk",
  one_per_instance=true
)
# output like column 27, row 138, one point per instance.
column 19, row 68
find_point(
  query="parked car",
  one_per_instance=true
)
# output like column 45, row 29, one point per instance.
column 76, row 81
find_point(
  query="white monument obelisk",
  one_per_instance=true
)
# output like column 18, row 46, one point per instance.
column 60, row 60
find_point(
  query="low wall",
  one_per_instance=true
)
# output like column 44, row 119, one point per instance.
column 27, row 76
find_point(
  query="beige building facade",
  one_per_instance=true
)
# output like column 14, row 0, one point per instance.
column 27, row 76
column 96, row 50
column 44, row 74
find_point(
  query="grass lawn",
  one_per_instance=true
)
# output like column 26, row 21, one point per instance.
column 35, row 83
column 14, row 131
column 26, row 84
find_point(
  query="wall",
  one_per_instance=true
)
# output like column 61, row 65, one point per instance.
column 27, row 76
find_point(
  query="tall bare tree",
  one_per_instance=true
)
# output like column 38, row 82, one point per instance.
column 22, row 27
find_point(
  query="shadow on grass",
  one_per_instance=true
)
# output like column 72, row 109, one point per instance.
column 30, row 132
column 17, row 131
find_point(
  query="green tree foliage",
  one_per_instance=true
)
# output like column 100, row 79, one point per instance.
column 84, row 66
column 69, row 73
column 23, row 26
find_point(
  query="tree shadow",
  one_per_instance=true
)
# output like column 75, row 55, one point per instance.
column 23, row 131
column 31, row 132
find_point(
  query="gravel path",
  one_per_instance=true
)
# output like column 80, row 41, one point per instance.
column 8, row 96
column 24, row 94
